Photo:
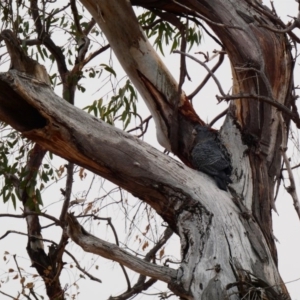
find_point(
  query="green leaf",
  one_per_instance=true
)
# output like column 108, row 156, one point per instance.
column 108, row 69
column 13, row 198
column 40, row 52
column 38, row 197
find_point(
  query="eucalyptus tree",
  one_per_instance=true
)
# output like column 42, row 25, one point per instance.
column 227, row 246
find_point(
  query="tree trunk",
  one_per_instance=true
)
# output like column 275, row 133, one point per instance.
column 228, row 250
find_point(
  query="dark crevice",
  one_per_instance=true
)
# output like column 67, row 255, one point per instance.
column 230, row 255
column 17, row 112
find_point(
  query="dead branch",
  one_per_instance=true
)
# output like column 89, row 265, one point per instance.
column 97, row 246
column 117, row 243
column 267, row 12
column 94, row 54
column 207, row 69
column 219, row 116
column 32, row 213
column 47, row 41
column 82, row 269
column 7, row 295
column 68, row 191
column 205, row 80
column 294, row 116
column 262, row 75
column 140, row 127
column 136, row 289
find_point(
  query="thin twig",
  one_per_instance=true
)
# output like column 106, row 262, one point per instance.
column 213, row 70
column 152, row 24
column 94, row 54
column 272, row 17
column 56, row 11
column 13, row 231
column 286, row 30
column 207, row 69
column 32, row 213
column 206, row 30
column 117, row 243
column 268, row 100
column 206, row 19
column 292, row 188
column 219, row 116
column 142, row 284
column 52, row 242
column 22, row 282
column 140, row 127
column 136, row 289
column 7, row 295
column 81, row 269
column 294, row 167
column 262, row 75
column 33, row 294
column 146, row 127
column 165, row 237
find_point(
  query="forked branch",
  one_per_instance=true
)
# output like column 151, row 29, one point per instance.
column 207, row 69
column 107, row 250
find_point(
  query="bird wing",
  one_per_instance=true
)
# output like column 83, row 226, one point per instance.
column 207, row 157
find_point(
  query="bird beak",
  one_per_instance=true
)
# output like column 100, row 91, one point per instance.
column 194, row 132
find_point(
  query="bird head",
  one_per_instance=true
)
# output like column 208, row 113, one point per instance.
column 202, row 133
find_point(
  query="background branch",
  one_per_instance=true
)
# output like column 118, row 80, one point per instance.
column 110, row 251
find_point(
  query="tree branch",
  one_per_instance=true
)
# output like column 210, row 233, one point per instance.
column 89, row 27
column 7, row 295
column 117, row 243
column 78, row 146
column 213, row 70
column 207, row 69
column 57, row 245
column 219, row 116
column 136, row 289
column 267, row 12
column 142, row 284
column 68, row 191
column 205, row 29
column 271, row 101
column 47, row 41
column 207, row 20
column 110, row 251
column 94, row 54
column 165, row 237
column 32, row 213
column 82, row 269
column 76, row 17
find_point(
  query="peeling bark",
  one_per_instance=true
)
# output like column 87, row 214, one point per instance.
column 208, row 221
column 228, row 251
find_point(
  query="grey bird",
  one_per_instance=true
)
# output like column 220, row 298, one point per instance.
column 209, row 156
